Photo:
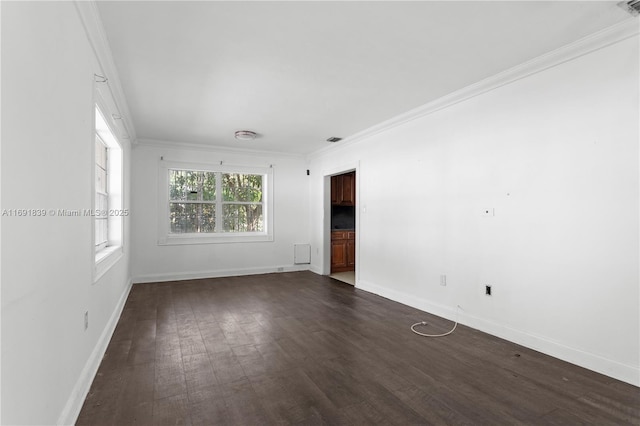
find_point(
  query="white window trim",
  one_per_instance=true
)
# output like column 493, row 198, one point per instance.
column 105, row 258
column 166, row 238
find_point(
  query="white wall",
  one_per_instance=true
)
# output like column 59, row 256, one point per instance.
column 153, row 262
column 48, row 359
column 556, row 155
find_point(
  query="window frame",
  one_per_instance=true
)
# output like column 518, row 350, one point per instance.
column 105, row 256
column 165, row 237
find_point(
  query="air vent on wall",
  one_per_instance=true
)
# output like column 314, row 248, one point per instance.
column 334, row 139
column 633, row 6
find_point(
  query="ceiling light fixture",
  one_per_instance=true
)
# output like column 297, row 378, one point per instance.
column 245, row 135
column 633, row 6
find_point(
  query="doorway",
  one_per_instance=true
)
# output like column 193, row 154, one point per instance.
column 343, row 208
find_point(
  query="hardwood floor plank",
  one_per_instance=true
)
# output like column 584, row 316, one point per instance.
column 562, row 417
column 432, row 409
column 169, row 378
column 172, row 410
column 207, row 406
column 302, row 349
column 116, row 355
column 135, row 403
column 192, row 345
column 250, row 359
column 622, row 411
column 243, row 405
column 293, row 350
column 167, row 347
column 275, row 359
column 101, row 402
column 337, row 387
column 198, row 372
column 291, row 398
column 226, row 367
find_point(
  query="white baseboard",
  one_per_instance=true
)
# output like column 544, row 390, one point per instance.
column 73, row 406
column 624, row 372
column 180, row 276
column 315, row 269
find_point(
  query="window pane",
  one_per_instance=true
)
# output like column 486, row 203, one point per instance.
column 177, row 184
column 101, row 231
column 208, row 186
column 101, row 180
column 243, row 218
column 242, row 187
column 192, row 185
column 192, row 218
column 101, row 154
column 182, row 218
column 101, row 205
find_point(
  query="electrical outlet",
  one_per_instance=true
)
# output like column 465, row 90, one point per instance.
column 487, row 290
column 280, row 269
column 443, row 280
column 86, row 320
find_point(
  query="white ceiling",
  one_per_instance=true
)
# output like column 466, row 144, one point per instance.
column 299, row 72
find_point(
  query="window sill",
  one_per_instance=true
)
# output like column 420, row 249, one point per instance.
column 105, row 259
column 170, row 240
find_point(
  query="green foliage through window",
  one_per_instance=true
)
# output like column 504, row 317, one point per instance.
column 192, row 185
column 198, row 198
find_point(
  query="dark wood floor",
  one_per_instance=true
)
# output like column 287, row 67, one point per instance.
column 298, row 348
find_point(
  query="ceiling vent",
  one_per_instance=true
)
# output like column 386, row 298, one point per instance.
column 335, row 139
column 633, row 6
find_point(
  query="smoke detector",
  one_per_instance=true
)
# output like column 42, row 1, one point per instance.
column 633, row 6
column 245, row 135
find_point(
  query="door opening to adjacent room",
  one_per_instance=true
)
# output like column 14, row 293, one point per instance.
column 343, row 227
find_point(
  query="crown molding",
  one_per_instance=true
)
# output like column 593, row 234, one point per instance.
column 601, row 39
column 90, row 17
column 158, row 143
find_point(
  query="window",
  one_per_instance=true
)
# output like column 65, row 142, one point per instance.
column 202, row 204
column 107, row 210
column 101, row 196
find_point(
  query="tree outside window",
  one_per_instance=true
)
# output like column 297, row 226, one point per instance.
column 215, row 202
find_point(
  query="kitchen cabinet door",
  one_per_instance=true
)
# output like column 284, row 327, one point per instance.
column 338, row 255
column 348, row 189
column 343, row 189
column 336, row 189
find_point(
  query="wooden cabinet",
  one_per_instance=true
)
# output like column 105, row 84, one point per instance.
column 348, row 189
column 336, row 194
column 343, row 251
column 343, row 189
column 343, row 243
column 338, row 256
